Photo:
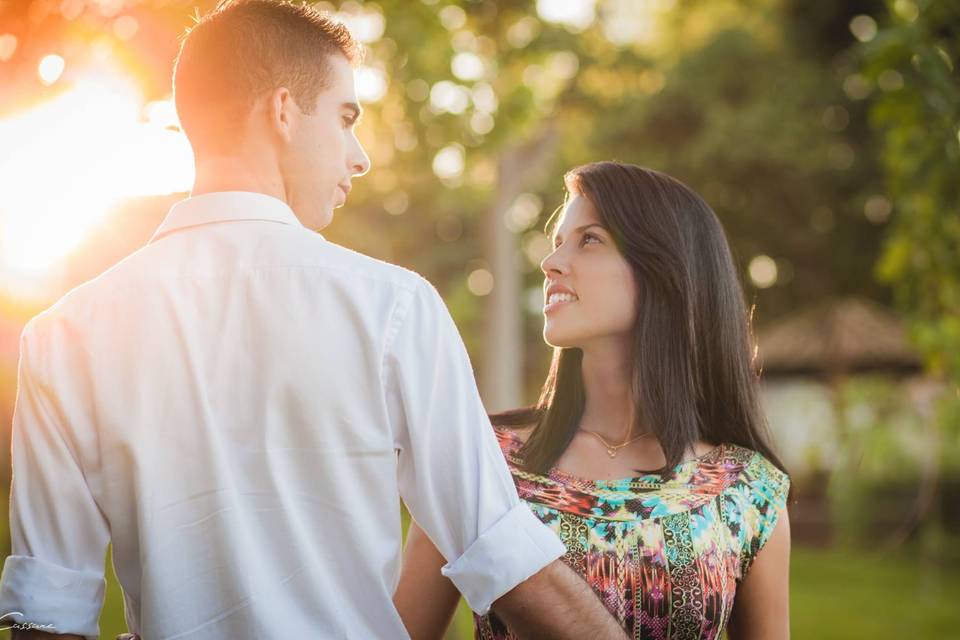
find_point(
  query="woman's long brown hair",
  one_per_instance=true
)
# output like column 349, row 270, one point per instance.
column 693, row 357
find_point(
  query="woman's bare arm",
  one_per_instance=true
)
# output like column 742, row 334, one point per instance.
column 761, row 609
column 425, row 599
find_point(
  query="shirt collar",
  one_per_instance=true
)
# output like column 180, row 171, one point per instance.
column 225, row 206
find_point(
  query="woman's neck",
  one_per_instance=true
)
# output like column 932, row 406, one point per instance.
column 607, row 380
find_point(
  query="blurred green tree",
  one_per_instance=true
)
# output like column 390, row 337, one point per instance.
column 918, row 112
column 912, row 63
column 476, row 108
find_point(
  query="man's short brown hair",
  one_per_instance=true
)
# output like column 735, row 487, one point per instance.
column 245, row 48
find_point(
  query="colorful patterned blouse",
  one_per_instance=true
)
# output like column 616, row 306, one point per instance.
column 664, row 556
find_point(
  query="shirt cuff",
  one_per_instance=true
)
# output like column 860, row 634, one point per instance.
column 51, row 598
column 506, row 554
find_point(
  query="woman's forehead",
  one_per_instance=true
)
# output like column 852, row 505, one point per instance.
column 577, row 212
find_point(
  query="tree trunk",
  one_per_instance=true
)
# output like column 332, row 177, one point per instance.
column 519, row 169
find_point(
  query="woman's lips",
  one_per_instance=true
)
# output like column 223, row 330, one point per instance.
column 557, row 300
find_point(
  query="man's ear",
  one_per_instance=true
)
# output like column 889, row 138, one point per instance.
column 282, row 112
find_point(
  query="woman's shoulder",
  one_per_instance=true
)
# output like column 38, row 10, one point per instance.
column 753, row 501
column 511, row 439
column 513, row 433
column 754, row 468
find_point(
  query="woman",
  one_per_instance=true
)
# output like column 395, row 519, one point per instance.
column 647, row 452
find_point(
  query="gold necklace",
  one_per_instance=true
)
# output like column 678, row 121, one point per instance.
column 612, row 449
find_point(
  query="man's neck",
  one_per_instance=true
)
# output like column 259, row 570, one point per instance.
column 232, row 173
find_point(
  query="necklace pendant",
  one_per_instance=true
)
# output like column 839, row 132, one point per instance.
column 612, row 453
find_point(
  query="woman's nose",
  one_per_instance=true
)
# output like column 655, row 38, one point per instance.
column 553, row 263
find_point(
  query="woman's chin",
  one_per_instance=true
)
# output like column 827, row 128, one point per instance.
column 558, row 339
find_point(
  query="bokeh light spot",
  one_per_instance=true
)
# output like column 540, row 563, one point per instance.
column 863, row 28
column 8, row 45
column 467, row 66
column 763, row 271
column 51, row 68
column 449, row 162
column 452, row 17
column 576, row 15
column 371, row 84
column 480, row 282
column 877, row 209
column 125, row 27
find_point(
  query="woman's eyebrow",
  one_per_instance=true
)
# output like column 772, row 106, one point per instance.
column 587, row 226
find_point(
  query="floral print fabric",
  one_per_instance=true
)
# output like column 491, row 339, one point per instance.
column 664, row 556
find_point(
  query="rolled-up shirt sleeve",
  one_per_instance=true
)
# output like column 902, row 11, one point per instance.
column 452, row 475
column 53, row 579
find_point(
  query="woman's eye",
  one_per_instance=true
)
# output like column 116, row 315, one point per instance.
column 589, row 238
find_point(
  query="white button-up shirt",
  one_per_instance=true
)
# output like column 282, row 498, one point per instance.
column 238, row 408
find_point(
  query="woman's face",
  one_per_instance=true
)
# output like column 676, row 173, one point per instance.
column 589, row 290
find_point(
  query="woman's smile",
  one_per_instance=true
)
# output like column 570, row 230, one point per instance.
column 558, row 295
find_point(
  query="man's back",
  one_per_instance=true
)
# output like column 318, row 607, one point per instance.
column 227, row 408
column 238, row 407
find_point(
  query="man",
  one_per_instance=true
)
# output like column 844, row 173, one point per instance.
column 238, row 405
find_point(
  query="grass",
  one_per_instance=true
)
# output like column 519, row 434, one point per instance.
column 839, row 594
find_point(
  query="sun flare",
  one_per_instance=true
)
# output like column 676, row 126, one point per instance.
column 69, row 161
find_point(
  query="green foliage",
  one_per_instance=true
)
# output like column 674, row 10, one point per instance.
column 725, row 101
column 742, row 100
column 913, row 61
column 767, row 137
